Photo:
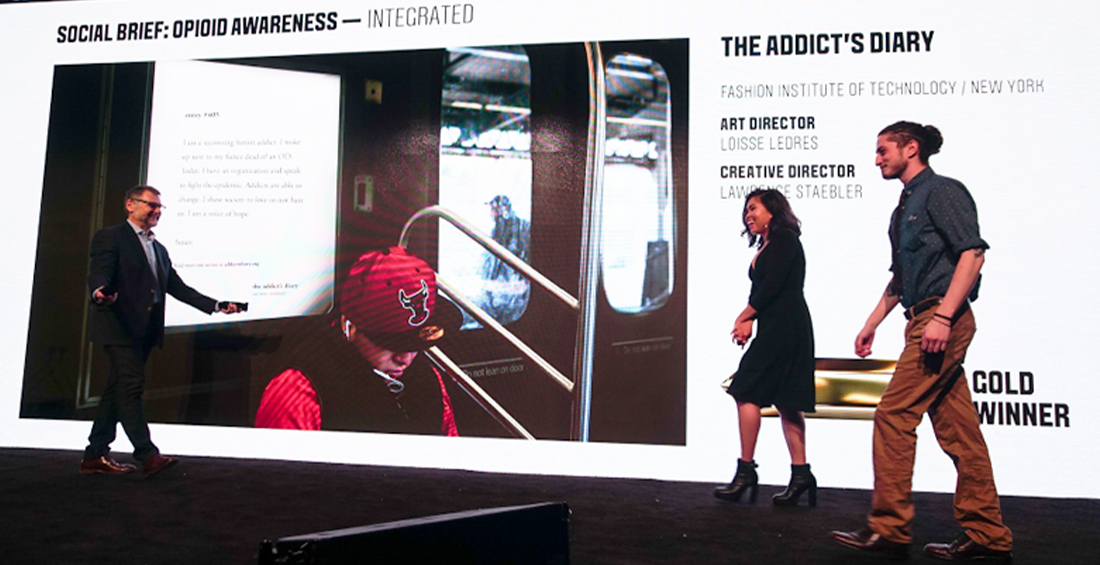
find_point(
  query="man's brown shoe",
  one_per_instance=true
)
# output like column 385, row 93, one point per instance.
column 105, row 466
column 966, row 549
column 866, row 540
column 156, row 464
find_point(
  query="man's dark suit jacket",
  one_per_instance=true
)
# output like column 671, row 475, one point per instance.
column 118, row 261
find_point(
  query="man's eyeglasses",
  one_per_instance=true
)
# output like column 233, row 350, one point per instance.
column 153, row 205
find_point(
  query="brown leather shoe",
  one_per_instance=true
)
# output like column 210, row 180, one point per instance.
column 866, row 540
column 156, row 464
column 105, row 466
column 966, row 549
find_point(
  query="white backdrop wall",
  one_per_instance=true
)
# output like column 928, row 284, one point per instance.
column 1013, row 88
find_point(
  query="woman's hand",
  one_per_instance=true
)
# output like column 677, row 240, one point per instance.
column 742, row 332
column 742, row 328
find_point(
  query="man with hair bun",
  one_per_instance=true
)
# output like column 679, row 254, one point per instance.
column 938, row 254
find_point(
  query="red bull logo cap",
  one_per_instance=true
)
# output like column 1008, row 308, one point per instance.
column 392, row 298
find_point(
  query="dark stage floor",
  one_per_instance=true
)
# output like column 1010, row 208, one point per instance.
column 208, row 510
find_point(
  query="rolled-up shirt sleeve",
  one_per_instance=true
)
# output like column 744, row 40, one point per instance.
column 955, row 216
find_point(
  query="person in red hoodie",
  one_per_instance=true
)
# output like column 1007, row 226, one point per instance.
column 360, row 369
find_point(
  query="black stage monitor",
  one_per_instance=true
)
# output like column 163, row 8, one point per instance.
column 532, row 534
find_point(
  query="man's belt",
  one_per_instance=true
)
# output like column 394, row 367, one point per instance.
column 928, row 303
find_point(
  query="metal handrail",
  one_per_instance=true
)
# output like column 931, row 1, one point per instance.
column 589, row 272
column 488, row 321
column 457, row 374
column 491, row 246
column 590, row 247
column 477, row 393
column 516, row 263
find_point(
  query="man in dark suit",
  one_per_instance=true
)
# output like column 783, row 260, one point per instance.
column 129, row 277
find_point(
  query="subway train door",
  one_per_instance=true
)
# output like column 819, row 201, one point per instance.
column 522, row 164
column 638, row 388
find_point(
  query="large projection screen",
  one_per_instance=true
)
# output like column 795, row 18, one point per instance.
column 788, row 95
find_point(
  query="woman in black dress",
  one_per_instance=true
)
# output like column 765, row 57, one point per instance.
column 778, row 368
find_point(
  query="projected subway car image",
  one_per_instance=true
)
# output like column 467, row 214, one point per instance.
column 523, row 208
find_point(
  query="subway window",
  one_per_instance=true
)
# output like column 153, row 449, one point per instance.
column 638, row 226
column 485, row 175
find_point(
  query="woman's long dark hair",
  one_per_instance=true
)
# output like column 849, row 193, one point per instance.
column 783, row 217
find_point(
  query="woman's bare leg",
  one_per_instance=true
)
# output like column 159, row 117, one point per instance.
column 748, row 417
column 794, row 431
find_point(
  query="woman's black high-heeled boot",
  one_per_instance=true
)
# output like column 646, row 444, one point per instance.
column 745, row 479
column 802, row 480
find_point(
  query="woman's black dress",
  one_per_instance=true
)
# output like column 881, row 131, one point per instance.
column 778, row 368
